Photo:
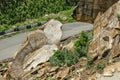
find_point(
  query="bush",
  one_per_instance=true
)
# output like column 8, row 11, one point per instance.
column 68, row 58
column 81, row 45
column 4, row 27
column 13, row 11
column 100, row 66
column 65, row 57
column 118, row 16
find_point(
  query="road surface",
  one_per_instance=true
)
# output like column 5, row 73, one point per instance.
column 9, row 46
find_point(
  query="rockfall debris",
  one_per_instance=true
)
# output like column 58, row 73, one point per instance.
column 37, row 49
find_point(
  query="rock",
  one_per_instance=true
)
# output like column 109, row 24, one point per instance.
column 39, row 56
column 108, row 74
column 93, row 77
column 69, row 46
column 35, row 40
column 38, row 48
column 53, row 31
column 76, row 78
column 106, row 34
column 111, row 69
column 1, row 78
column 87, row 10
column 63, row 73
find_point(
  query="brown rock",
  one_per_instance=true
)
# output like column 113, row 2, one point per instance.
column 34, row 41
column 87, row 10
column 109, row 70
column 106, row 34
column 63, row 73
column 38, row 48
column 69, row 46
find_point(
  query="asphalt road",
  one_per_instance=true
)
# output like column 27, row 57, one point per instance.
column 9, row 46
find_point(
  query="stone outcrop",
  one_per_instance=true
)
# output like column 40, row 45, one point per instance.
column 87, row 10
column 106, row 41
column 38, row 48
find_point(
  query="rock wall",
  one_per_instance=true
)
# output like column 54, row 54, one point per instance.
column 106, row 41
column 87, row 10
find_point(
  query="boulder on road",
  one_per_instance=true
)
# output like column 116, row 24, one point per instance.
column 35, row 40
column 38, row 48
column 53, row 31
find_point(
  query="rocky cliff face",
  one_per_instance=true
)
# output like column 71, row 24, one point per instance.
column 87, row 10
column 106, row 41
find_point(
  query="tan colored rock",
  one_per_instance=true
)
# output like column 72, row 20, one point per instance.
column 69, row 46
column 76, row 78
column 106, row 34
column 39, row 56
column 63, row 73
column 38, row 48
column 93, row 77
column 87, row 10
column 1, row 78
column 53, row 31
column 108, row 73
column 35, row 40
column 111, row 69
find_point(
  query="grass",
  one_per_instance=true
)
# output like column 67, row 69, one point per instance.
column 63, row 16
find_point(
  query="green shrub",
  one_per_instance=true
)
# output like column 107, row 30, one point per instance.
column 4, row 27
column 81, row 45
column 100, row 66
column 64, row 57
column 118, row 16
column 13, row 11
column 68, row 58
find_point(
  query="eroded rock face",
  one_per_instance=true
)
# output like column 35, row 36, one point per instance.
column 106, row 41
column 87, row 10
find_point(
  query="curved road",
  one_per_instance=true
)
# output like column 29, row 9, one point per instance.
column 9, row 46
